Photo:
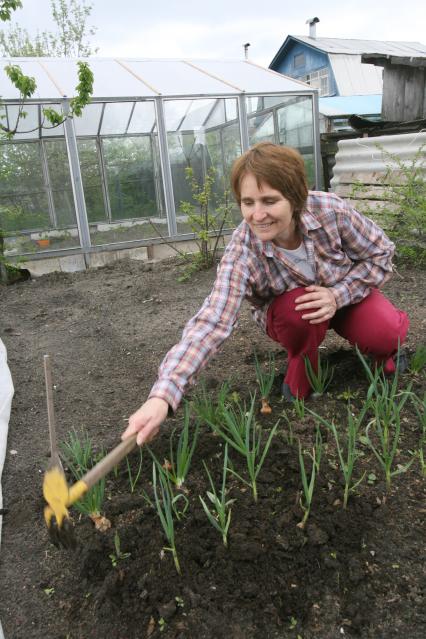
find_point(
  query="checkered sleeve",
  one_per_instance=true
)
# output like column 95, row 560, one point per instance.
column 371, row 252
column 205, row 332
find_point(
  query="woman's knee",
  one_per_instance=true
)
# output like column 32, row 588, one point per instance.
column 375, row 325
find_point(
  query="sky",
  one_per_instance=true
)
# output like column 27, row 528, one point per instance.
column 218, row 29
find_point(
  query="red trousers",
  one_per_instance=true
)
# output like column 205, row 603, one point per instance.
column 373, row 324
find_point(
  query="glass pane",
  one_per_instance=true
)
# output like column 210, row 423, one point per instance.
column 89, row 154
column 65, row 224
column 28, row 124
column 143, row 118
column 134, row 190
column 29, row 223
column 261, row 128
column 88, row 122
column 116, row 117
column 48, row 130
column 295, row 128
column 201, row 145
column 24, row 210
column 294, row 116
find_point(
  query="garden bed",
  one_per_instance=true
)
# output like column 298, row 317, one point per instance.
column 355, row 572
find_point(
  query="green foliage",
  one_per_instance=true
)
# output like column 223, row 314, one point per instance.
column 118, row 555
column 208, row 410
column 418, row 360
column 180, row 459
column 164, row 506
column 134, row 477
column 382, row 434
column 219, row 515
column 239, row 429
column 265, row 378
column 308, row 486
column 69, row 40
column 404, row 210
column 79, row 455
column 347, row 446
column 70, row 18
column 6, row 8
column 206, row 226
column 321, row 379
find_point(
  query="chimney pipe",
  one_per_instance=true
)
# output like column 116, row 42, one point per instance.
column 246, row 46
column 312, row 27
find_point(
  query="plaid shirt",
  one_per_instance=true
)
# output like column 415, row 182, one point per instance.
column 348, row 253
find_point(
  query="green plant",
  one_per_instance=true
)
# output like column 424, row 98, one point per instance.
column 205, row 408
column 80, row 456
column 265, row 379
column 134, row 478
column 420, row 408
column 308, row 487
column 220, row 514
column 118, row 555
column 319, row 380
column 403, row 213
column 418, row 360
column 239, row 430
column 299, row 408
column 203, row 223
column 163, row 504
column 181, row 460
column 206, row 226
column 346, row 445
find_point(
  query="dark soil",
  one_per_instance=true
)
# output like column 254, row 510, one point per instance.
column 355, row 573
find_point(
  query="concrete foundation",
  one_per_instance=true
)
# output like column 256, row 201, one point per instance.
column 74, row 263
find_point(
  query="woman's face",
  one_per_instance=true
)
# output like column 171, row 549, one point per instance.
column 268, row 213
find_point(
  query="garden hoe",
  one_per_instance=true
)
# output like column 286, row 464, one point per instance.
column 57, row 493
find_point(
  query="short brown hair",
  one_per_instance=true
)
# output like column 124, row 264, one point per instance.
column 281, row 167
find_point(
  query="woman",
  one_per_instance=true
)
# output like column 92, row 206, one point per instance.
column 306, row 262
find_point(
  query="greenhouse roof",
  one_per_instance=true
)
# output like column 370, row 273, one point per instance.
column 121, row 78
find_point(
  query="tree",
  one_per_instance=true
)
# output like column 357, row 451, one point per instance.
column 70, row 39
column 71, row 20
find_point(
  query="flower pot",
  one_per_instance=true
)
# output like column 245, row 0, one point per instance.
column 44, row 243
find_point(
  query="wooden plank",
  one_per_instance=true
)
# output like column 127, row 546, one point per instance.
column 414, row 92
column 393, row 100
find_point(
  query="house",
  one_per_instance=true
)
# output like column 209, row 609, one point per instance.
column 335, row 67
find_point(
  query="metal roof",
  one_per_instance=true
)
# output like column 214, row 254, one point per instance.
column 351, row 47
column 353, row 77
column 120, row 78
column 350, row 105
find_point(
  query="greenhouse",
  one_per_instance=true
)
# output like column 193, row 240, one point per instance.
column 117, row 177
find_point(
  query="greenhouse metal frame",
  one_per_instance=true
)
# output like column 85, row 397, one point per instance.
column 216, row 126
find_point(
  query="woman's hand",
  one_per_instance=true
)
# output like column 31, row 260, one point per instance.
column 319, row 298
column 147, row 420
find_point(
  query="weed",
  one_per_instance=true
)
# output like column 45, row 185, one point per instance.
column 118, row 555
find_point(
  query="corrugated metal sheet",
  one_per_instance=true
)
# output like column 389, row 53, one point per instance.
column 123, row 77
column 390, row 47
column 370, row 155
column 355, row 78
column 359, row 174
